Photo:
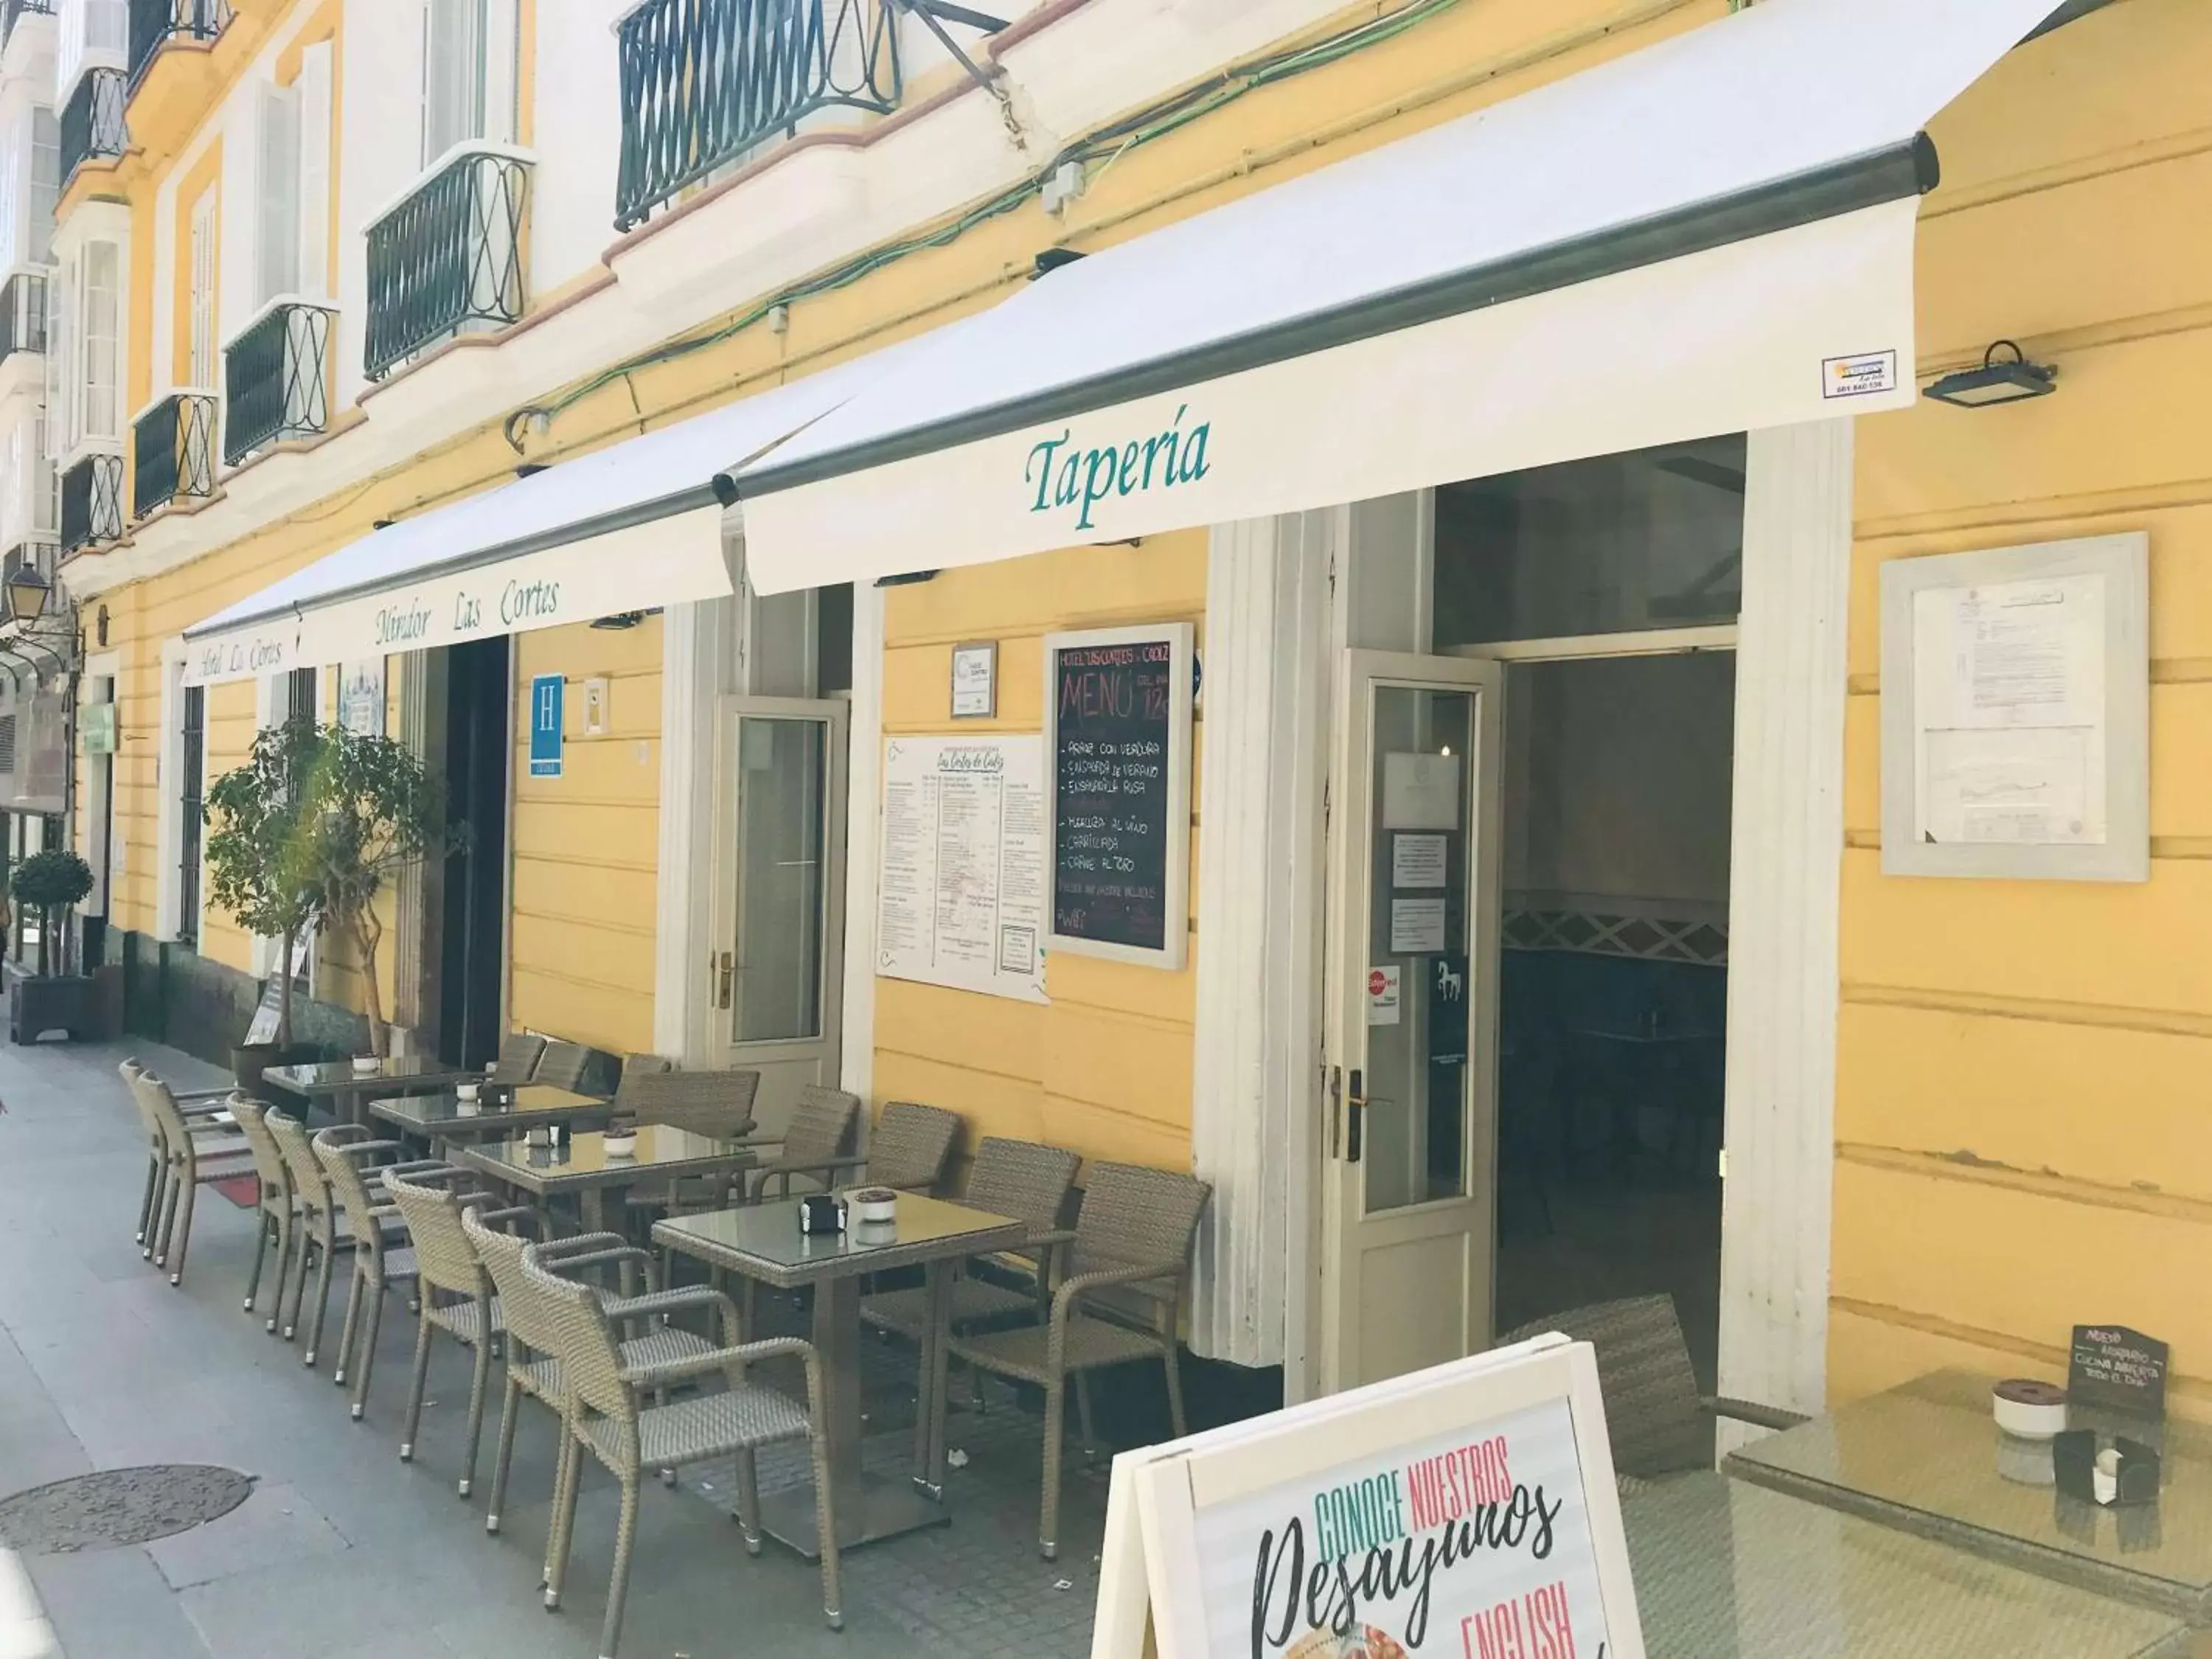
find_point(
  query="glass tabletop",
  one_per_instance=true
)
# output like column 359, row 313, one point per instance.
column 444, row 1111
column 329, row 1076
column 1725, row 1570
column 764, row 1240
column 582, row 1159
column 1929, row 1454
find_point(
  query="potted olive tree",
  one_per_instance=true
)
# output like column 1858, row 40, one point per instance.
column 51, row 883
column 262, row 865
column 376, row 810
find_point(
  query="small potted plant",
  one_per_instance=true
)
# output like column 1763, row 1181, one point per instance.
column 48, row 885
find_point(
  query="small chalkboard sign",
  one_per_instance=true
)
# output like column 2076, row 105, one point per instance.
column 2116, row 1369
column 1118, row 718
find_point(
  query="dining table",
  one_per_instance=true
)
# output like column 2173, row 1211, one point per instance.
column 1927, row 1457
column 443, row 1115
column 765, row 1243
column 578, row 1165
column 350, row 1087
column 1727, row 1569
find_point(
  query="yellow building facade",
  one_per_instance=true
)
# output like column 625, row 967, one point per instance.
column 2013, row 1080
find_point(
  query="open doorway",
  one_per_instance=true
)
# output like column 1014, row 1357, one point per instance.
column 1613, row 986
column 479, row 679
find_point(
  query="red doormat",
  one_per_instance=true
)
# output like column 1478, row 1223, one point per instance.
column 245, row 1190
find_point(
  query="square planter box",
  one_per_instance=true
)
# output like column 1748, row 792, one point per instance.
column 64, row 1002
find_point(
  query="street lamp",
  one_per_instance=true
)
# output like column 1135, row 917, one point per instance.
column 27, row 593
column 2007, row 381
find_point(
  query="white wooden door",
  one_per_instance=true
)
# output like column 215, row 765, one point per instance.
column 776, row 969
column 1409, row 1167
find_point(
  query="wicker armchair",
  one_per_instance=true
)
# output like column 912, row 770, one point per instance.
column 323, row 1226
column 910, row 1147
column 517, row 1059
column 816, row 1144
column 532, row 1369
column 191, row 1105
column 1016, row 1178
column 1134, row 1230
column 382, row 1256
column 194, row 1153
column 458, row 1298
column 275, row 1207
column 1656, row 1421
column 562, row 1065
column 604, row 1413
column 717, row 1103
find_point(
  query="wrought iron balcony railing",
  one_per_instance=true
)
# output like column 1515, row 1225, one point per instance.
column 13, row 12
column 447, row 257
column 704, row 81
column 23, row 313
column 92, row 502
column 155, row 23
column 174, row 451
column 92, row 122
column 275, row 379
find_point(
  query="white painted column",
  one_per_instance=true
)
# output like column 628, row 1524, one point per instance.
column 1256, row 1071
column 1783, row 896
column 863, row 843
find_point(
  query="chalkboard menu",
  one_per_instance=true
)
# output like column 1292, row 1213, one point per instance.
column 1119, row 708
column 2117, row 1369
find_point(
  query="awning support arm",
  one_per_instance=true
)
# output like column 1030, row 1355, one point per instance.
column 935, row 13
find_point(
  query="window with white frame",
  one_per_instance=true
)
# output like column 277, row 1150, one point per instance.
column 89, row 33
column 454, row 60
column 30, row 178
column 99, row 343
column 61, row 333
column 202, row 240
column 46, row 186
column 293, row 233
column 31, row 509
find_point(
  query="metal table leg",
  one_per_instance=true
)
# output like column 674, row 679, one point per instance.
column 868, row 1507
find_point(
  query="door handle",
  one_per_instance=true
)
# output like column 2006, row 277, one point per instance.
column 727, row 967
column 1355, row 1119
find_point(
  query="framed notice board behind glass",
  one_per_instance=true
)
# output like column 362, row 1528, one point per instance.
column 1117, row 725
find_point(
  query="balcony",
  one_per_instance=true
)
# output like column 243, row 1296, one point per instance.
column 704, row 81
column 155, row 23
column 92, row 123
column 275, row 379
column 447, row 258
column 13, row 12
column 23, row 313
column 174, row 443
column 92, row 502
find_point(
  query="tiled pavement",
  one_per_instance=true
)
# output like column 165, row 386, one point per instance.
column 345, row 1553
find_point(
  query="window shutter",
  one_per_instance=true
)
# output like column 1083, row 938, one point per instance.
column 314, row 171
column 453, row 75
column 205, row 230
column 279, row 216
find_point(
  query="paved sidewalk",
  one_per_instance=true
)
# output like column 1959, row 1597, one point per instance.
column 345, row 1553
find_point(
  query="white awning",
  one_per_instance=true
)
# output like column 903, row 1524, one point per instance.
column 1713, row 234
column 631, row 527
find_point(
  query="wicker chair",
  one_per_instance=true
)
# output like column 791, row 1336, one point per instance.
column 816, row 1145
column 191, row 1104
column 910, row 1147
column 603, row 1413
column 562, row 1065
column 533, row 1369
column 717, row 1103
column 1655, row 1420
column 1016, row 1178
column 275, row 1209
column 382, row 1256
column 517, row 1059
column 195, row 1152
column 458, row 1298
column 323, row 1227
column 1134, row 1230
